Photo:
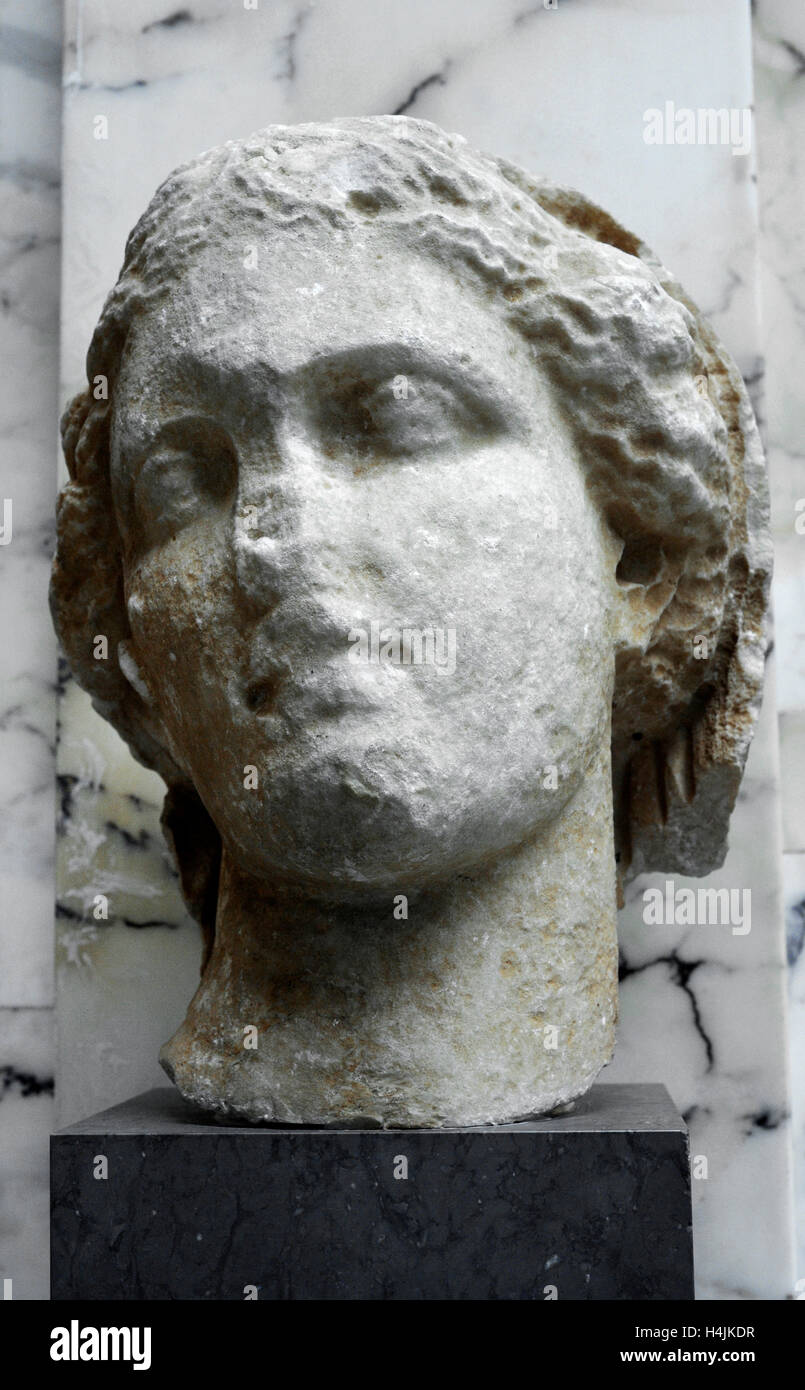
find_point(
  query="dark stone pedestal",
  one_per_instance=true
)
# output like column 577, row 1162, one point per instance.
column 590, row 1205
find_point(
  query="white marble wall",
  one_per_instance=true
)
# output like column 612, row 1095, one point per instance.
column 30, row 58
column 560, row 91
column 779, row 35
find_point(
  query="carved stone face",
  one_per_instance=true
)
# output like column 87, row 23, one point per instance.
column 336, row 436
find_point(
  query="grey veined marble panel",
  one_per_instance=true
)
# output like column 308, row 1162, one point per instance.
column 151, row 1203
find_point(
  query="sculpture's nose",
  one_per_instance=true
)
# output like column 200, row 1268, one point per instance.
column 292, row 521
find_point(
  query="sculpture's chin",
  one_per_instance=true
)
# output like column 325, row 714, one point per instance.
column 370, row 827
column 351, row 841
column 372, row 872
column 357, row 866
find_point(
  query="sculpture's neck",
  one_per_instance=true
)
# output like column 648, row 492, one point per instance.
column 479, row 1005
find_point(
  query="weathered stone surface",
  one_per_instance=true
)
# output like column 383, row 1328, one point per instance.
column 358, row 384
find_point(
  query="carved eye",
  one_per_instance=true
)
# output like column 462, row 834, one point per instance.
column 404, row 416
column 189, row 473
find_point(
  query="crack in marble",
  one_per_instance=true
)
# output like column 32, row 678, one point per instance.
column 170, row 21
column 413, row 95
column 682, row 971
column 28, row 1082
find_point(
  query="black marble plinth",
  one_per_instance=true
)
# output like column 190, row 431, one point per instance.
column 594, row 1204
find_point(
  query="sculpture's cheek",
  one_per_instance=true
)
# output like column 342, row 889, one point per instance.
column 181, row 610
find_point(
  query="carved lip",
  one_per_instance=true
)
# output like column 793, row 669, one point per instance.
column 261, row 694
column 327, row 691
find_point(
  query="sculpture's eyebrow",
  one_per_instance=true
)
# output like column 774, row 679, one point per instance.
column 378, row 361
column 331, row 370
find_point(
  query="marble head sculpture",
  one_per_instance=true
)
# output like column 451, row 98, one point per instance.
column 426, row 521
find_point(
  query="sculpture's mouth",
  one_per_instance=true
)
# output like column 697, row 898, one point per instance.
column 261, row 695
column 308, row 694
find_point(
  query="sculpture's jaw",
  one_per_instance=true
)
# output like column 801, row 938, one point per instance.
column 487, row 1002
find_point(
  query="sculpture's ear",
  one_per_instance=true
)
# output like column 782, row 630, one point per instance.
column 86, row 590
column 647, row 572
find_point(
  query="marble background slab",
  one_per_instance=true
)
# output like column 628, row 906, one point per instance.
column 561, row 92
column 779, row 64
column 30, row 136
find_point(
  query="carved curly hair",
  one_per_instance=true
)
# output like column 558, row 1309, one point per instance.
column 660, row 415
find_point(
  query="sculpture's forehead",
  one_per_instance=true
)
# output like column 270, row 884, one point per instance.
column 267, row 308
